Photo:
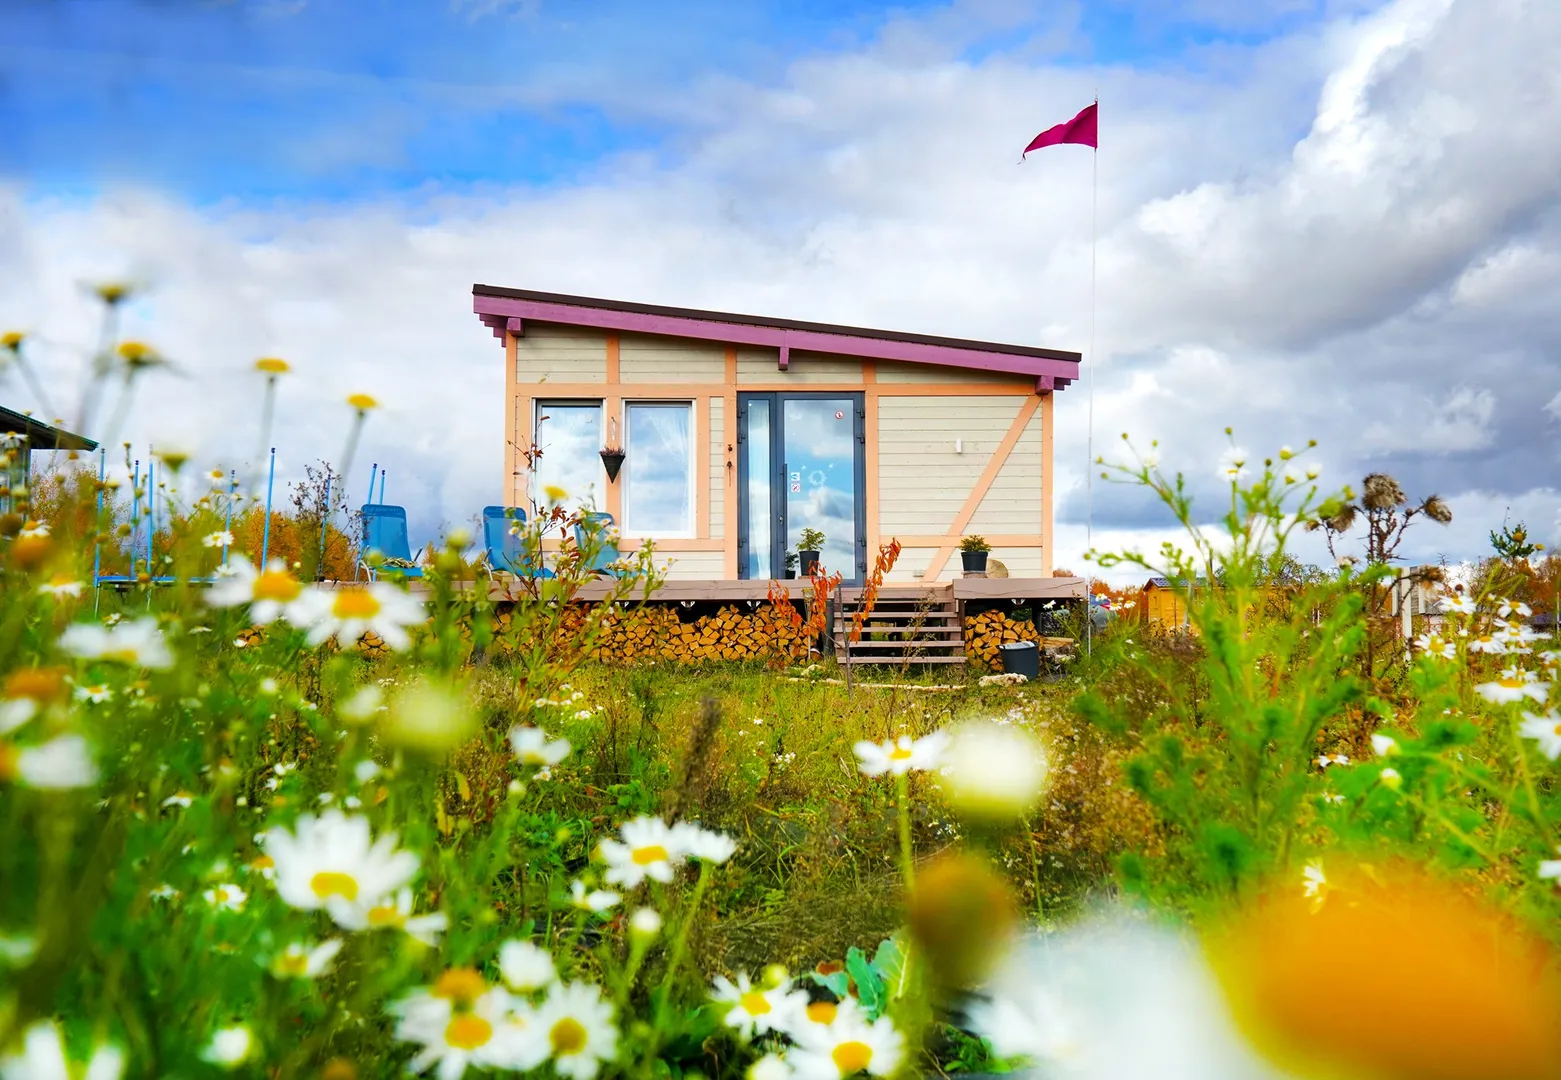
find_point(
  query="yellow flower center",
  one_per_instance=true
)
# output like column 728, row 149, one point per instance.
column 293, row 963
column 220, row 895
column 386, row 916
column 8, row 761
column 460, row 985
column 850, row 1057
column 651, row 853
column 900, row 753
column 822, row 1012
column 124, row 656
column 467, row 1032
column 263, row 862
column 355, row 604
column 329, row 883
column 1557, row 729
column 276, row 585
column 272, row 365
column 362, row 402
column 567, row 1037
column 755, row 1003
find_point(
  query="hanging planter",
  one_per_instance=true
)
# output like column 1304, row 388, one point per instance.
column 612, row 455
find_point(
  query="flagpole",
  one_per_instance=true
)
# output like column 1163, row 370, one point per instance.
column 1089, row 373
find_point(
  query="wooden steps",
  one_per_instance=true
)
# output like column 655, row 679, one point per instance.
column 909, row 624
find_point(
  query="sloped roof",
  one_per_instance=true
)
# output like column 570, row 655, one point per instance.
column 41, row 436
column 506, row 310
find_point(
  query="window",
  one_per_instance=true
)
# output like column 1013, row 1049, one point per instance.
column 569, row 435
column 658, row 469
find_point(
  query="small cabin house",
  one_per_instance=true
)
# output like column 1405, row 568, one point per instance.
column 20, row 436
column 738, row 432
column 1162, row 602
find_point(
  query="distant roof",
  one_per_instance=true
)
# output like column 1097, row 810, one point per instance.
column 41, row 436
column 503, row 309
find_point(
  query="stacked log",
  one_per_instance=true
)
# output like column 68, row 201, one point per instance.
column 986, row 631
column 638, row 634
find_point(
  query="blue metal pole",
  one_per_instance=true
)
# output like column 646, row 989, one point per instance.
column 135, row 512
column 151, row 517
column 372, row 474
column 382, row 474
column 325, row 523
column 265, row 543
column 97, row 533
column 227, row 525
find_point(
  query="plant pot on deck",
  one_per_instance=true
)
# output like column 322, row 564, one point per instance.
column 974, row 561
column 809, row 561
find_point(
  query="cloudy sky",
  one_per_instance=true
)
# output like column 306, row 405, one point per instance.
column 1318, row 219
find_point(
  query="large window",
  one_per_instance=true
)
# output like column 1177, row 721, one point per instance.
column 658, row 471
column 569, row 470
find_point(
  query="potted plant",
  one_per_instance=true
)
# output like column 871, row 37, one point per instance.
column 612, row 454
column 809, row 545
column 790, row 559
column 973, row 552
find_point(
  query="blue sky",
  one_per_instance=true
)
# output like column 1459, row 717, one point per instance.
column 354, row 99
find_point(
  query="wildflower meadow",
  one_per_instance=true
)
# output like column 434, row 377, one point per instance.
column 271, row 818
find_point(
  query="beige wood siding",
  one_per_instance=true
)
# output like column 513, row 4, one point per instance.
column 647, row 358
column 1012, row 505
column 759, row 366
column 717, row 472
column 692, row 565
column 560, row 354
column 1020, row 561
column 922, row 480
column 891, row 371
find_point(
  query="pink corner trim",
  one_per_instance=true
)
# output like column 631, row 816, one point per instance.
column 784, row 359
column 497, row 311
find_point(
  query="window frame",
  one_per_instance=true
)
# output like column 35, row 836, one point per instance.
column 625, row 527
column 534, row 488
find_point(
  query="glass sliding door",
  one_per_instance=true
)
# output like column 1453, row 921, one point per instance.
column 801, row 457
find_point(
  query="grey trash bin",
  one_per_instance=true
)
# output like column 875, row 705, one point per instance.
column 1021, row 658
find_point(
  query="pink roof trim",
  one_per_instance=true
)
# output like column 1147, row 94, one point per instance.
column 508, row 314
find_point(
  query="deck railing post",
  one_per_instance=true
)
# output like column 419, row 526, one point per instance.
column 265, row 542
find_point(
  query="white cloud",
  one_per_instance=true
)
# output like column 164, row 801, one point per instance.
column 1462, row 421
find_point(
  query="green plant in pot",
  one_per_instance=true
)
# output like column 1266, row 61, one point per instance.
column 973, row 552
column 790, row 561
column 809, row 545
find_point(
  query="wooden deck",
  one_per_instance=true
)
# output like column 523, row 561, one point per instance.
column 715, row 591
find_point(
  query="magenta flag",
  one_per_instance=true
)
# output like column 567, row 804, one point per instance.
column 1082, row 129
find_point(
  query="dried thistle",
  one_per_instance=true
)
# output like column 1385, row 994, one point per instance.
column 1382, row 492
column 1437, row 510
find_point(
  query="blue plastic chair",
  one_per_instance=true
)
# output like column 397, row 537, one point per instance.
column 501, row 528
column 385, row 531
column 606, row 558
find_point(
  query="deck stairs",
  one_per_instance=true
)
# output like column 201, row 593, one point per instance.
column 909, row 624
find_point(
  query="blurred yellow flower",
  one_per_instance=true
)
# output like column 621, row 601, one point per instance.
column 112, row 292
column 272, row 365
column 12, row 339
column 362, row 402
column 138, row 354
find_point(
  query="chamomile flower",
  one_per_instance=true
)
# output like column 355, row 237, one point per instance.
column 1546, row 729
column 220, row 538
column 393, row 913
column 574, row 1027
column 769, row 1067
column 226, row 897
column 1436, row 646
column 531, row 747
column 1233, row 464
column 1333, row 759
column 900, row 756
column 300, row 961
column 851, row 1044
column 346, row 614
column 592, row 900
column 94, row 693
column 1391, row 779
column 229, row 1047
column 41, row 1056
column 1508, row 608
column 272, row 593
column 1457, row 603
column 1313, row 880
column 705, row 845
column 138, row 642
column 754, row 1010
column 459, row 1021
column 60, row 586
column 332, row 862
column 59, row 764
column 1491, row 643
column 1514, row 684
column 1550, row 869
column 525, row 967
column 648, row 849
column 1384, row 744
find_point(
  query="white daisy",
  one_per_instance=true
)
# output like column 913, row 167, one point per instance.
column 1333, row 759
column 1233, row 464
column 705, row 845
column 1457, row 603
column 525, row 967
column 645, row 922
column 1436, row 646
column 900, row 756
column 332, row 862
column 220, row 538
column 753, row 1010
column 532, row 748
column 1384, row 744
column 299, row 961
column 226, row 897
column 41, row 1056
column 592, row 900
column 60, row 586
column 393, row 913
column 347, row 613
column 1391, row 779
column 1508, row 608
column 230, row 1047
column 849, row 1045
column 1492, row 643
column 181, row 799
column 63, row 762
column 574, row 1027
column 648, row 849
column 1546, row 729
column 95, row 693
column 1332, row 798
column 138, row 642
column 1513, row 685
column 769, row 1067
column 1550, row 869
column 271, row 594
column 1028, row 1020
